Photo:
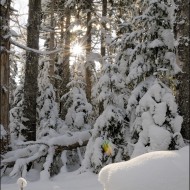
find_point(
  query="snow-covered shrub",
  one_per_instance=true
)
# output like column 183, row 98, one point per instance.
column 156, row 124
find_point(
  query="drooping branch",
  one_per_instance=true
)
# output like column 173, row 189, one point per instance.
column 68, row 141
column 33, row 150
column 34, row 50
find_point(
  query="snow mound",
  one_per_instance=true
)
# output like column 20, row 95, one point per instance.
column 165, row 170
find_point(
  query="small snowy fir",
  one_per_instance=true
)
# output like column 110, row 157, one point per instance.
column 16, row 117
column 79, row 109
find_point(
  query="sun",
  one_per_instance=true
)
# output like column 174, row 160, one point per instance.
column 77, row 49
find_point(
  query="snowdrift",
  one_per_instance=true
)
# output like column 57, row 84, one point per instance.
column 160, row 170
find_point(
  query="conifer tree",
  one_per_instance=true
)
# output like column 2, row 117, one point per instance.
column 153, row 56
column 16, row 117
column 154, row 51
column 48, row 120
column 107, row 144
column 4, row 63
column 157, row 124
column 183, row 54
column 79, row 109
column 31, row 71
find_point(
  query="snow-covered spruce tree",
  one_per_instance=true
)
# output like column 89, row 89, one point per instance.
column 107, row 144
column 153, row 57
column 157, row 124
column 78, row 112
column 79, row 108
column 154, row 51
column 48, row 119
column 16, row 117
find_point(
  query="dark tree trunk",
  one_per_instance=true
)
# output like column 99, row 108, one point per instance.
column 88, row 72
column 103, row 48
column 51, row 46
column 31, row 70
column 184, row 59
column 104, row 14
column 66, row 62
column 4, row 70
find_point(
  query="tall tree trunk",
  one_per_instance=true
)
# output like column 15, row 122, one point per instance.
column 4, row 69
column 104, row 14
column 88, row 72
column 31, row 70
column 51, row 46
column 184, row 58
column 66, row 61
column 103, row 47
column 59, row 67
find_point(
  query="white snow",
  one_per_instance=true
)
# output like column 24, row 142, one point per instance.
column 156, row 43
column 160, row 170
column 64, row 181
column 3, row 132
column 3, row 2
column 168, row 38
column 21, row 182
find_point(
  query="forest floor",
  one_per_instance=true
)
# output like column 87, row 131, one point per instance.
column 166, row 170
column 63, row 181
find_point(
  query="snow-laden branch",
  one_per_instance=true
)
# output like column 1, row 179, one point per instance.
column 34, row 50
column 67, row 141
column 33, row 150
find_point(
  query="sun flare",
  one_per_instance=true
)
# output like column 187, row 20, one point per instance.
column 77, row 49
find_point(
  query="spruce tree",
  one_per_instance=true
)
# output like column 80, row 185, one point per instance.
column 48, row 120
column 157, row 124
column 79, row 109
column 16, row 117
column 152, row 57
column 107, row 144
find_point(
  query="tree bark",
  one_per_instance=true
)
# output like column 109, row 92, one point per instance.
column 104, row 14
column 66, row 62
column 4, row 70
column 51, row 47
column 88, row 72
column 103, row 48
column 184, row 58
column 31, row 70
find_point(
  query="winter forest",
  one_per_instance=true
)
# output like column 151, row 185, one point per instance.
column 94, row 94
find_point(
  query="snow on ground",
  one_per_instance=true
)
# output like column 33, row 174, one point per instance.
column 64, row 181
column 160, row 170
